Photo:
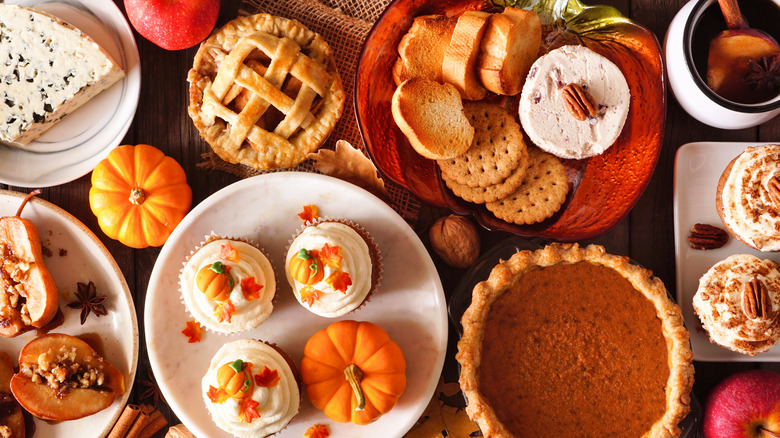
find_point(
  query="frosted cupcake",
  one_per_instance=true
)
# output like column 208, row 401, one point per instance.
column 251, row 389
column 748, row 197
column 737, row 302
column 333, row 267
column 228, row 285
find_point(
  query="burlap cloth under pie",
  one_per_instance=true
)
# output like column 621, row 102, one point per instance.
column 344, row 24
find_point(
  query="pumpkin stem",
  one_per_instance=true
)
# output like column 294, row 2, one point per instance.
column 353, row 376
column 137, row 196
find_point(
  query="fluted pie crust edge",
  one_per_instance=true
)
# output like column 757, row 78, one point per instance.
column 506, row 274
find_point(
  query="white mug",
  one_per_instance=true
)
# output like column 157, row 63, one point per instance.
column 690, row 88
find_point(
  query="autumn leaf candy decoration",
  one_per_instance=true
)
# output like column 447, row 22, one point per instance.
column 317, row 431
column 248, row 410
column 267, row 378
column 192, row 331
column 309, row 213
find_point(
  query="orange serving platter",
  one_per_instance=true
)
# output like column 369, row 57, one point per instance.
column 603, row 189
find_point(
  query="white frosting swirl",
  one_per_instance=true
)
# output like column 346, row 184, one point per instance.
column 748, row 209
column 355, row 261
column 251, row 263
column 719, row 304
column 277, row 405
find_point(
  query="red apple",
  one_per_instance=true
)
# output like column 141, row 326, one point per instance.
column 744, row 405
column 173, row 24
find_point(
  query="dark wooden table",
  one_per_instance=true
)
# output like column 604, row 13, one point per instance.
column 646, row 234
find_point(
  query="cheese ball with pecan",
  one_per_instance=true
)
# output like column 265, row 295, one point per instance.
column 737, row 302
column 574, row 102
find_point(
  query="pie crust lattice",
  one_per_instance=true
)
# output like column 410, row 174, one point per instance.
column 265, row 92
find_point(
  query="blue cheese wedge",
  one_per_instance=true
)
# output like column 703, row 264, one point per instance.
column 48, row 69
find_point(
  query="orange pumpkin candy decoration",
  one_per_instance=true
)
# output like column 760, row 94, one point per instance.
column 215, row 281
column 139, row 195
column 353, row 371
column 306, row 267
column 236, row 379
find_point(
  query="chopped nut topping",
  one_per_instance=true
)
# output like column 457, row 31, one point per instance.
column 5, row 432
column 62, row 373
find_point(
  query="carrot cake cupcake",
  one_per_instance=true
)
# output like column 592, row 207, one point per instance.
column 251, row 389
column 748, row 197
column 333, row 267
column 737, row 303
column 228, row 285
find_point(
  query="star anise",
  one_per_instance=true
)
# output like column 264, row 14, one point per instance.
column 764, row 73
column 88, row 300
column 152, row 390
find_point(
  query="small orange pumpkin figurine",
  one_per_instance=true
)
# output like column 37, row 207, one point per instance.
column 215, row 281
column 236, row 379
column 306, row 267
column 353, row 371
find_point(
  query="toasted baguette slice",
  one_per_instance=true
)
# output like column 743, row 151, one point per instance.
column 431, row 116
column 508, row 48
column 459, row 64
column 421, row 50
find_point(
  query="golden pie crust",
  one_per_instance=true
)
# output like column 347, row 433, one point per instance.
column 264, row 91
column 546, row 357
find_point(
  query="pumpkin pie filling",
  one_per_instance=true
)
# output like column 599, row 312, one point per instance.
column 569, row 341
column 584, row 343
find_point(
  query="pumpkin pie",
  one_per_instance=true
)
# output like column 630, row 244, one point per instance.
column 570, row 341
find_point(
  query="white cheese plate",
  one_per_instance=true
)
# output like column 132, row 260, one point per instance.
column 79, row 141
column 697, row 168
column 75, row 255
column 409, row 304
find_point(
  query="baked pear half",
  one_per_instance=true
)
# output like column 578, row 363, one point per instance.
column 28, row 294
column 11, row 417
column 62, row 378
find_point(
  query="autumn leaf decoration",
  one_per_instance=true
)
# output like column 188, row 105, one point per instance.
column 339, row 281
column 250, row 288
column 228, row 253
column 192, row 331
column 309, row 213
column 224, row 311
column 317, row 431
column 248, row 410
column 309, row 295
column 330, row 256
column 217, row 395
column 267, row 377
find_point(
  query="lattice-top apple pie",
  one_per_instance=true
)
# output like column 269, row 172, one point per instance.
column 264, row 91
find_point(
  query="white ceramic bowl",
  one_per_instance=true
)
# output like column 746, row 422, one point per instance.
column 690, row 88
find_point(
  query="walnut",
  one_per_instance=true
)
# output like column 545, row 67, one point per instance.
column 179, row 431
column 455, row 239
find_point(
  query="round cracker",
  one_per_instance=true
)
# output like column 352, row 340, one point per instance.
column 481, row 195
column 496, row 151
column 541, row 194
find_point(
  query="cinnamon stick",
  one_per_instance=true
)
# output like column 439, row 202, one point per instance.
column 138, row 422
column 125, row 422
column 156, row 423
column 141, row 421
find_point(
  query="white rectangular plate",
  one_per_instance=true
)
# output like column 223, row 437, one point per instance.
column 697, row 168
